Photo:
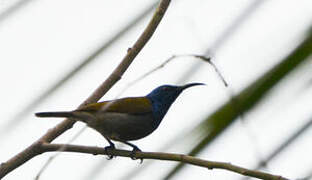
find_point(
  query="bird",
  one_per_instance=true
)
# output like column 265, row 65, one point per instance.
column 126, row 119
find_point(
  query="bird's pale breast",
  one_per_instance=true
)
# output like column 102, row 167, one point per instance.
column 125, row 127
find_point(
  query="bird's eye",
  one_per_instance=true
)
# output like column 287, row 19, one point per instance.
column 165, row 88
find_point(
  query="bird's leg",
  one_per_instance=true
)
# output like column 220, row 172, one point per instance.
column 111, row 146
column 134, row 150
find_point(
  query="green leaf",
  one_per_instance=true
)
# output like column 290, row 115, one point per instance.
column 217, row 122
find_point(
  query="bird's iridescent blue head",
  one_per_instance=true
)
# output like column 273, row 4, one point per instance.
column 163, row 96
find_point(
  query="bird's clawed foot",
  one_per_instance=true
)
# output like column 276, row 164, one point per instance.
column 133, row 153
column 110, row 147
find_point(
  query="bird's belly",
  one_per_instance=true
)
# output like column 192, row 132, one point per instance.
column 123, row 127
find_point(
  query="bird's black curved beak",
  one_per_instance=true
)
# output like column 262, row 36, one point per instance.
column 190, row 85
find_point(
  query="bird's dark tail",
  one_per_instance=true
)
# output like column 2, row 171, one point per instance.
column 59, row 114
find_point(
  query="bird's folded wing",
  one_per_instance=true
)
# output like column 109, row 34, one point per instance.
column 133, row 105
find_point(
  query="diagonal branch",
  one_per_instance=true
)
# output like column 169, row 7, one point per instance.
column 46, row 147
column 34, row 149
column 23, row 113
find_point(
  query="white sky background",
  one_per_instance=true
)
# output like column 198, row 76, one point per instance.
column 43, row 40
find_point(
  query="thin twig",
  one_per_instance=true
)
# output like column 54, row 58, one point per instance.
column 208, row 60
column 35, row 149
column 173, row 57
column 46, row 147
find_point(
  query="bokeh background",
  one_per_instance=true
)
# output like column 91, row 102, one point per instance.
column 55, row 53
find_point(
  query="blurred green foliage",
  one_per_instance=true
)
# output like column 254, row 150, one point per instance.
column 216, row 123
